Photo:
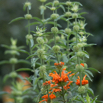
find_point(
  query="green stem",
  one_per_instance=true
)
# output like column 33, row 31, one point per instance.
column 63, row 95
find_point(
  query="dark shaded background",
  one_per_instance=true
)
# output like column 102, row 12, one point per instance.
column 10, row 9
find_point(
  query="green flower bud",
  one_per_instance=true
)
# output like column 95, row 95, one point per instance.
column 67, row 31
column 40, row 40
column 56, row 2
column 80, row 54
column 75, row 15
column 56, row 49
column 14, row 52
column 28, row 16
column 19, row 99
column 42, row 7
column 68, row 14
column 39, row 33
column 44, row 57
column 29, row 36
column 74, row 39
column 76, row 48
column 75, row 8
column 54, row 30
column 42, row 70
column 54, row 16
column 82, row 89
column 79, row 68
column 27, row 4
column 57, row 38
column 13, row 74
column 68, row 3
column 52, row 8
column 85, row 66
column 81, row 33
column 62, row 36
column 74, row 58
column 76, row 28
column 13, row 60
column 43, row 0
column 40, row 52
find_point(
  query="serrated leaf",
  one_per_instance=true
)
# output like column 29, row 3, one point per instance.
column 23, row 69
column 16, row 19
column 94, row 69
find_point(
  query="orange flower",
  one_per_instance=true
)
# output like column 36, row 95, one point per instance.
column 47, row 83
column 59, row 65
column 57, row 78
column 45, row 97
column 68, row 85
column 82, row 64
column 84, row 82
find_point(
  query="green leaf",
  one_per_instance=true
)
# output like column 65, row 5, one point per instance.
column 86, row 54
column 89, row 72
column 88, row 76
column 90, row 91
column 81, row 99
column 24, row 51
column 5, row 78
column 3, row 45
column 65, row 59
column 94, row 70
column 23, row 61
column 23, row 69
column 94, row 100
column 31, row 42
column 62, row 7
column 50, row 3
column 16, row 19
column 4, row 62
column 33, row 61
column 88, row 98
column 36, row 18
column 83, row 13
column 48, row 46
column 35, row 23
column 59, row 17
column 31, row 55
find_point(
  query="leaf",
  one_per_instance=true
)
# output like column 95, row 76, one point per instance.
column 35, row 23
column 86, row 54
column 83, row 13
column 94, row 69
column 24, row 51
column 23, row 69
column 5, row 78
column 31, row 42
column 3, row 45
column 35, row 46
column 90, row 91
column 94, row 100
column 88, row 76
column 48, row 46
column 33, row 61
column 62, row 7
column 89, row 72
column 59, row 17
column 65, row 59
column 23, row 61
column 16, row 19
column 36, row 18
column 31, row 55
column 81, row 99
column 4, row 62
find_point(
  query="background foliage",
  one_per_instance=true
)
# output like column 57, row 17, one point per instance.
column 10, row 9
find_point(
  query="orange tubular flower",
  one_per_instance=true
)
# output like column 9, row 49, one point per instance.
column 59, row 65
column 82, row 64
column 47, row 83
column 84, row 82
column 68, row 85
column 45, row 97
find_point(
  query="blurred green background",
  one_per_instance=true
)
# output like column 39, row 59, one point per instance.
column 10, row 9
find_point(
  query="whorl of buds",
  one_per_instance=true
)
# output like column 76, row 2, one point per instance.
column 80, row 54
column 68, row 14
column 54, row 16
column 13, row 60
column 56, row 2
column 75, row 15
column 54, row 30
column 79, row 68
column 40, row 52
column 82, row 89
column 76, row 48
column 13, row 74
column 29, row 36
column 68, row 3
column 40, row 40
column 42, row 70
column 27, row 4
column 76, row 28
column 42, row 7
column 43, row 1
column 56, row 49
column 14, row 47
column 57, row 38
column 28, row 16
column 67, row 30
column 52, row 8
